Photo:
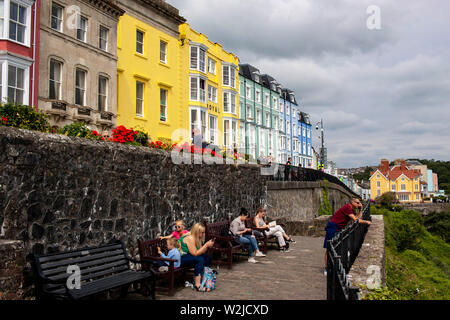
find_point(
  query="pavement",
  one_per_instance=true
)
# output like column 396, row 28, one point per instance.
column 293, row 275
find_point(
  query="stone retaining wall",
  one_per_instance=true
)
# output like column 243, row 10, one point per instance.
column 371, row 257
column 11, row 269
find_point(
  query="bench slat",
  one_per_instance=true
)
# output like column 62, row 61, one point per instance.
column 85, row 273
column 89, row 263
column 81, row 258
column 74, row 253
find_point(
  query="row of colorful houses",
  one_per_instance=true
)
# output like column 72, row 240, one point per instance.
column 138, row 63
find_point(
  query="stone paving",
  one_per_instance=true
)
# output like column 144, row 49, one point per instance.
column 294, row 275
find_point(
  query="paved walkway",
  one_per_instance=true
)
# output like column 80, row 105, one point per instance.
column 294, row 275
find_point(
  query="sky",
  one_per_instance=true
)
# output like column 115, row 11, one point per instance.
column 376, row 72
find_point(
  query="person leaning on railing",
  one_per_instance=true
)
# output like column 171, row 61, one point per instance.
column 351, row 211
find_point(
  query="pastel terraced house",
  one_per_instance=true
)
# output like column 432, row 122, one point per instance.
column 209, row 97
column 402, row 180
column 149, row 96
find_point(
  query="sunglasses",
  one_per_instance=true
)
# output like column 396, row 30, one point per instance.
column 178, row 227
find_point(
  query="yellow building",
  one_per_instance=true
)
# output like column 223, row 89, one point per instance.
column 402, row 180
column 149, row 93
column 210, row 97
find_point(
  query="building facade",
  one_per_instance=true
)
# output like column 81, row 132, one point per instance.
column 288, row 137
column 150, row 92
column 78, row 62
column 210, row 89
column 267, row 135
column 400, row 179
column 19, row 51
column 304, row 140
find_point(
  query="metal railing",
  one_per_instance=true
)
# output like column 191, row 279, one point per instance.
column 342, row 251
column 305, row 174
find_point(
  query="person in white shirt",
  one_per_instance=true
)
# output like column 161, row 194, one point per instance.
column 244, row 235
column 277, row 231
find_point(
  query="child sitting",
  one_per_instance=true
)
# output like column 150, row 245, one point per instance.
column 179, row 226
column 173, row 247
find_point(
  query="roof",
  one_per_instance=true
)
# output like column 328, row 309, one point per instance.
column 248, row 71
column 289, row 95
column 396, row 171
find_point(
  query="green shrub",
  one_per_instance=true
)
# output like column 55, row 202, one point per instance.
column 24, row 117
column 142, row 138
column 325, row 209
column 386, row 200
column 76, row 129
column 439, row 224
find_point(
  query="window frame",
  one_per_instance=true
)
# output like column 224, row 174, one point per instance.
column 79, row 88
column 59, row 95
column 142, row 100
column 105, row 95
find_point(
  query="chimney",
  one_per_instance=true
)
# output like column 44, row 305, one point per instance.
column 384, row 166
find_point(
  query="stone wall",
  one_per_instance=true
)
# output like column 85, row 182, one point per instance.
column 11, row 269
column 300, row 200
column 426, row 208
column 370, row 263
column 59, row 193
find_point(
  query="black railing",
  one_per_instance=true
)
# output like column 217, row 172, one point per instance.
column 306, row 174
column 342, row 251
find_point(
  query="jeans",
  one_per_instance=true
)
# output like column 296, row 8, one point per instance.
column 251, row 242
column 198, row 262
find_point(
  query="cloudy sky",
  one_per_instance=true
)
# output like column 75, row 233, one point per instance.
column 382, row 93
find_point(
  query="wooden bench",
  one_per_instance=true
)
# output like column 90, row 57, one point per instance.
column 263, row 238
column 148, row 253
column 101, row 268
column 223, row 244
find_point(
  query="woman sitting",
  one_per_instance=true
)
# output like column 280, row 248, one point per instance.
column 277, row 231
column 194, row 252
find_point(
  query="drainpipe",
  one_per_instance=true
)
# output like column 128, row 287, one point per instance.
column 34, row 56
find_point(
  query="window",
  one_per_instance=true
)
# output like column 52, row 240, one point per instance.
column 163, row 105
column 229, row 76
column 256, row 78
column 102, row 93
column 378, row 184
column 139, row 99
column 393, row 187
column 294, row 129
column 275, row 121
column 103, row 39
column 266, row 100
column 198, row 89
column 211, row 66
column 198, row 58
column 270, row 141
column 229, row 102
column 288, row 127
column 17, row 22
column 417, row 196
column 55, row 80
column 258, row 95
column 16, row 84
column 258, row 117
column 212, row 94
column 57, row 17
column 139, row 42
column 403, row 187
column 261, row 140
column 249, row 112
column 304, row 148
column 309, row 133
column 304, row 132
column 309, row 149
column 275, row 103
column 267, row 120
column 248, row 92
column 288, row 110
column 81, row 28
column 163, row 51
column 80, row 87
column 212, row 129
column 416, row 187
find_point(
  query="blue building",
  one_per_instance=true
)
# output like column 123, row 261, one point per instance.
column 305, row 140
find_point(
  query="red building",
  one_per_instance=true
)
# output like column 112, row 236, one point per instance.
column 19, row 51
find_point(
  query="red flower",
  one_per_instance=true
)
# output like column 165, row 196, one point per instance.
column 5, row 120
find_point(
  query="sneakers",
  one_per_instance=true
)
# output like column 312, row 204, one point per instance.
column 325, row 271
column 251, row 260
column 284, row 249
column 260, row 254
column 163, row 269
column 291, row 240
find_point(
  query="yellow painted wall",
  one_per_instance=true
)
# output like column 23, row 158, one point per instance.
column 218, row 54
column 385, row 185
column 147, row 68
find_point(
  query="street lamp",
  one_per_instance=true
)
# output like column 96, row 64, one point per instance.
column 322, row 150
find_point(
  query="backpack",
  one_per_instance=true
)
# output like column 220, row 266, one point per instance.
column 208, row 279
column 225, row 232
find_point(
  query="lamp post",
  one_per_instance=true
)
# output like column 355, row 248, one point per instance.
column 322, row 150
